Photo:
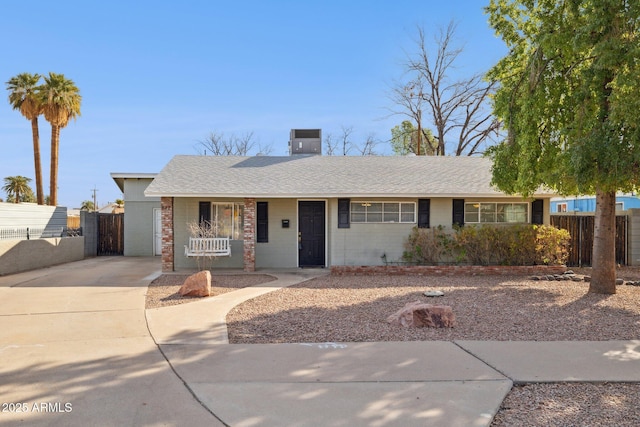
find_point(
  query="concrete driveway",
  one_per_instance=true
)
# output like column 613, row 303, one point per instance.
column 75, row 350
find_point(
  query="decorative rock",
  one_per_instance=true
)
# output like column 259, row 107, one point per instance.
column 576, row 278
column 587, row 278
column 197, row 285
column 534, row 278
column 619, row 282
column 418, row 314
column 433, row 294
column 569, row 272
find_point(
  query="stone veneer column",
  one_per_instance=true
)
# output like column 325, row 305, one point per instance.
column 249, row 235
column 166, row 205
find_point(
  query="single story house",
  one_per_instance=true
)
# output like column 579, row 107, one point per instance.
column 320, row 211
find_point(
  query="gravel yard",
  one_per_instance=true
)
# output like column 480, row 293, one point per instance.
column 355, row 308
column 163, row 291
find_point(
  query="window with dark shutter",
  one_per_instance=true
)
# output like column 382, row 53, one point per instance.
column 343, row 213
column 458, row 212
column 537, row 211
column 204, row 214
column 262, row 222
column 424, row 206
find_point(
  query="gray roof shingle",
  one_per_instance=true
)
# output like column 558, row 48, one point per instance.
column 324, row 176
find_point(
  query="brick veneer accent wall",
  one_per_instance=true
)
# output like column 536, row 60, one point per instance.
column 446, row 270
column 249, row 256
column 166, row 206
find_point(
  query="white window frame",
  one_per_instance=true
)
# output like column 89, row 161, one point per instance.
column 378, row 217
column 561, row 207
column 477, row 208
column 237, row 220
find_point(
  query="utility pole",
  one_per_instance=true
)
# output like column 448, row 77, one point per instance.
column 95, row 203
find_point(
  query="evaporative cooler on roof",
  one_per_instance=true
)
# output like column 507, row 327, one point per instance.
column 305, row 141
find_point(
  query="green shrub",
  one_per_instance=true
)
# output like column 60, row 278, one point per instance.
column 427, row 246
column 520, row 244
column 552, row 244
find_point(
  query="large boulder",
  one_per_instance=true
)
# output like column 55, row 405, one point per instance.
column 419, row 314
column 197, row 285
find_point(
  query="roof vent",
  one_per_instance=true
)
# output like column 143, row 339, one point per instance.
column 305, row 141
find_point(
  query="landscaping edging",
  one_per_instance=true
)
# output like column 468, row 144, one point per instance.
column 446, row 270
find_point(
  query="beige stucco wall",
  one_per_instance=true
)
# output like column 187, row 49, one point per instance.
column 442, row 208
column 138, row 217
column 633, row 237
column 24, row 255
column 361, row 244
column 282, row 248
column 365, row 244
column 186, row 210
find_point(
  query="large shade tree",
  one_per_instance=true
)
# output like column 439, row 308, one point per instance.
column 60, row 100
column 23, row 97
column 569, row 95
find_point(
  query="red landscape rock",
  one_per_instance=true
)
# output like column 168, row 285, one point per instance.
column 197, row 285
column 419, row 314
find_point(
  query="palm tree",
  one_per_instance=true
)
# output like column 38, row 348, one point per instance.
column 23, row 97
column 16, row 186
column 60, row 102
column 87, row 205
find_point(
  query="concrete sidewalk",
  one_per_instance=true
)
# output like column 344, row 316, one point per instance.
column 75, row 350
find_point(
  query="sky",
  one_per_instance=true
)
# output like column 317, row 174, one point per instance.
column 157, row 77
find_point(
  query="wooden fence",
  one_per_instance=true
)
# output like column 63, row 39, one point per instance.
column 581, row 228
column 110, row 234
column 73, row 222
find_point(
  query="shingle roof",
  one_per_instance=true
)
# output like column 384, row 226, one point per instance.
column 324, row 176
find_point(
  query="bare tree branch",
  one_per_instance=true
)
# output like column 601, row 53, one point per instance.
column 453, row 106
column 368, row 148
column 331, row 145
column 216, row 144
column 345, row 139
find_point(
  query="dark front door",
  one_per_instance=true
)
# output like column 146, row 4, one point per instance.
column 311, row 234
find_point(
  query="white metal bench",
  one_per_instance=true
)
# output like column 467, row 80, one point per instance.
column 207, row 246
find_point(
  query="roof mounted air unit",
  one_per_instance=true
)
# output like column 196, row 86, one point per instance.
column 305, row 141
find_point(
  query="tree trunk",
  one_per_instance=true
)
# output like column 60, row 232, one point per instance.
column 53, row 183
column 603, row 277
column 36, row 160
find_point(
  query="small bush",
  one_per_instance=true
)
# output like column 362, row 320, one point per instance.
column 427, row 246
column 520, row 244
column 552, row 244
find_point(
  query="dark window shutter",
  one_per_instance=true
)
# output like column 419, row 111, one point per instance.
column 458, row 212
column 262, row 222
column 344, row 206
column 204, row 213
column 424, row 207
column 537, row 211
